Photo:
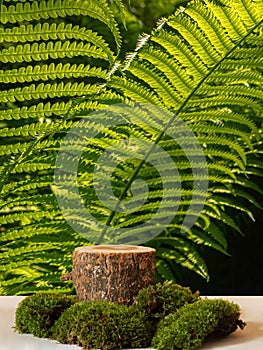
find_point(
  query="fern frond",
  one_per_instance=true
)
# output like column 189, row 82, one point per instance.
column 183, row 253
column 134, row 91
column 34, row 129
column 61, row 8
column 239, row 192
column 193, row 35
column 201, row 237
column 173, row 73
column 27, row 185
column 229, row 202
column 220, row 117
column 52, row 71
column 182, row 52
column 229, row 101
column 201, row 66
column 164, row 271
column 246, row 183
column 198, row 46
column 26, row 216
column 31, row 200
column 54, row 228
column 54, row 31
column 163, row 88
column 44, row 91
column 39, row 110
column 45, row 51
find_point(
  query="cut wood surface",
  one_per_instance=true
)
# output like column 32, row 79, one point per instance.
column 111, row 272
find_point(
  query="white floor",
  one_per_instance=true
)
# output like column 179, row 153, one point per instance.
column 251, row 338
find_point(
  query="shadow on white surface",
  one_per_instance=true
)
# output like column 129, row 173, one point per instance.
column 252, row 334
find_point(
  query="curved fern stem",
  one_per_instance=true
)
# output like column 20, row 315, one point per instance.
column 162, row 133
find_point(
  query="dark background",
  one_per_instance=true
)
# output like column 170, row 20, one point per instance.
column 241, row 273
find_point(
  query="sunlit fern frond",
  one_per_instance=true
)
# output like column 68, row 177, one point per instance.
column 47, row 59
column 204, row 65
column 201, row 66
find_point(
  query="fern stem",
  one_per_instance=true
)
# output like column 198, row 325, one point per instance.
column 161, row 134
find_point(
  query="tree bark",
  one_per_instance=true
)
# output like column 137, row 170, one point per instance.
column 111, row 272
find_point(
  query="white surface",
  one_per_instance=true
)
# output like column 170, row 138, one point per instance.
column 251, row 338
column 10, row 340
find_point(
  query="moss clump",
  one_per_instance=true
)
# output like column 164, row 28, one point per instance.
column 37, row 313
column 166, row 316
column 162, row 299
column 103, row 325
column 188, row 328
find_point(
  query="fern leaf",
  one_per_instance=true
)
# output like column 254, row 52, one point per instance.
column 201, row 45
column 46, row 90
column 27, row 216
column 52, row 71
column 202, row 66
column 187, row 257
column 39, row 110
column 54, row 31
column 61, row 8
column 45, row 51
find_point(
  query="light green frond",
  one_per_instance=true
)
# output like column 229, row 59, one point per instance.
column 31, row 231
column 154, row 79
column 183, row 253
column 244, row 136
column 220, row 117
column 27, row 185
column 243, row 76
column 38, row 10
column 202, row 66
column 193, row 36
column 47, row 50
column 229, row 18
column 181, row 51
column 228, row 101
column 33, row 166
column 54, row 31
column 43, row 91
column 39, row 110
column 224, row 141
column 34, row 129
column 228, row 91
column 211, row 26
column 52, row 71
column 173, row 73
column 134, row 91
column 202, row 237
column 250, row 12
column 215, row 152
column 229, row 202
column 13, row 148
column 25, row 216
column 31, row 200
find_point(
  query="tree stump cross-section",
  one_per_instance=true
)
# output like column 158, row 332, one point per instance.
column 111, row 272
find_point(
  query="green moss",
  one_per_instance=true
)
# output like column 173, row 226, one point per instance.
column 188, row 328
column 36, row 314
column 166, row 316
column 103, row 325
column 162, row 299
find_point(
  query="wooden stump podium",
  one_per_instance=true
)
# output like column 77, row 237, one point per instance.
column 111, row 272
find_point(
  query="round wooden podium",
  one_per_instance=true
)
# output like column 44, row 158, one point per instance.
column 111, row 272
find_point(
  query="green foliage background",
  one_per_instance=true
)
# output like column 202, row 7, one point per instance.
column 62, row 59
